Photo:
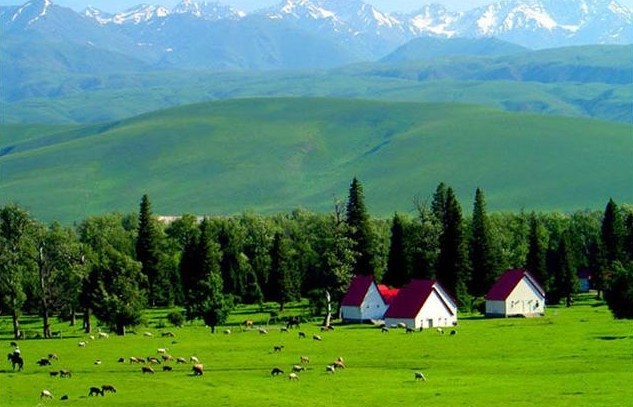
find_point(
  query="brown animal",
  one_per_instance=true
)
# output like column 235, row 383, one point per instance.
column 108, row 387
column 147, row 369
column 304, row 359
column 248, row 323
column 95, row 391
column 181, row 360
column 167, row 358
column 65, row 373
column 198, row 369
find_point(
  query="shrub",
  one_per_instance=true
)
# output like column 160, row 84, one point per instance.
column 176, row 318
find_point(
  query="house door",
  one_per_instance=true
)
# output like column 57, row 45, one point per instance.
column 430, row 323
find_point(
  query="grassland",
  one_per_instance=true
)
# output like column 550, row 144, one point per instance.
column 278, row 154
column 578, row 356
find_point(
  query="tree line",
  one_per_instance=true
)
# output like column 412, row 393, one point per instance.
column 113, row 266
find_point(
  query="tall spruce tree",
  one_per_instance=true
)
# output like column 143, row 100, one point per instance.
column 536, row 259
column 484, row 255
column 453, row 271
column 565, row 273
column 360, row 230
column 425, row 239
column 284, row 279
column 438, row 203
column 397, row 271
column 148, row 249
column 612, row 232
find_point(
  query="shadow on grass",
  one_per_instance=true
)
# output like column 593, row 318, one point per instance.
column 611, row 337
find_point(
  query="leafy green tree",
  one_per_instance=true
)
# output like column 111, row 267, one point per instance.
column 565, row 273
column 424, row 238
column 484, row 256
column 360, row 230
column 397, row 268
column 452, row 270
column 619, row 294
column 17, row 259
column 628, row 236
column 148, row 249
column 536, row 261
column 612, row 232
column 234, row 264
column 283, row 276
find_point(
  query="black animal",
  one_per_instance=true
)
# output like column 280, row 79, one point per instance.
column 293, row 321
column 167, row 368
column 95, row 391
column 64, row 397
column 16, row 360
column 108, row 387
column 278, row 348
column 14, row 344
column 453, row 332
column 147, row 369
column 44, row 362
column 276, row 371
column 302, row 334
column 410, row 330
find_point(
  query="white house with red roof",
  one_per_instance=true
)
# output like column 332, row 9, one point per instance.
column 422, row 304
column 515, row 293
column 363, row 301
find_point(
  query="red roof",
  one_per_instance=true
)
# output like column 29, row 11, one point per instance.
column 388, row 294
column 412, row 297
column 357, row 290
column 508, row 281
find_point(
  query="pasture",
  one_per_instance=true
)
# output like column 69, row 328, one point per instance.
column 579, row 356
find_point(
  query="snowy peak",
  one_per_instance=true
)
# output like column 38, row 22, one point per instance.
column 300, row 9
column 140, row 14
column 31, row 12
column 206, row 10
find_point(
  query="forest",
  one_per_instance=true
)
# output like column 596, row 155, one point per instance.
column 114, row 266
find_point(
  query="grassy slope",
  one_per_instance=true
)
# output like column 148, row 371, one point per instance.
column 278, row 154
column 578, row 356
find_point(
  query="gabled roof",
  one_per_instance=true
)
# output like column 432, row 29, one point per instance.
column 412, row 297
column 388, row 294
column 503, row 287
column 357, row 290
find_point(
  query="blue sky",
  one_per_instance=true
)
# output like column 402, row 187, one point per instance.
column 384, row 5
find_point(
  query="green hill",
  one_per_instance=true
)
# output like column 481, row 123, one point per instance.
column 271, row 155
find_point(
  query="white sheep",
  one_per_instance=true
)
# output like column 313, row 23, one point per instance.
column 227, row 332
column 46, row 393
column 330, row 369
column 149, row 334
column 103, row 335
column 419, row 376
column 162, row 350
column 194, row 359
column 82, row 344
column 293, row 376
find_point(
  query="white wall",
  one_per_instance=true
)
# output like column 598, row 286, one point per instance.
column 434, row 313
column 372, row 307
column 524, row 300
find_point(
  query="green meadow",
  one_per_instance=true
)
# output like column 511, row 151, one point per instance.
column 272, row 155
column 577, row 356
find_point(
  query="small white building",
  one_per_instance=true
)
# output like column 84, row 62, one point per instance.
column 516, row 293
column 363, row 301
column 422, row 304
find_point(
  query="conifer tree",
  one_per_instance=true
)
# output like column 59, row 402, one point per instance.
column 284, row 281
column 565, row 273
column 425, row 239
column 438, row 204
column 484, row 255
column 612, row 232
column 619, row 294
column 536, row 260
column 360, row 230
column 453, row 262
column 397, row 270
column 148, row 249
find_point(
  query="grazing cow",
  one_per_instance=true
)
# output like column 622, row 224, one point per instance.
column 153, row 360
column 302, row 334
column 65, row 373
column 454, row 332
column 91, row 337
column 97, row 362
column 293, row 376
column 43, row 362
column 384, row 330
column 293, row 321
column 147, row 369
column 330, row 369
column 327, row 328
column 276, row 371
column 108, row 387
column 46, row 393
column 278, row 348
column 316, row 337
column 198, row 369
column 181, row 360
column 304, row 359
column 338, row 364
column 419, row 376
column 133, row 359
column 298, row 368
column 283, row 329
column 95, row 391
column 167, row 368
column 16, row 360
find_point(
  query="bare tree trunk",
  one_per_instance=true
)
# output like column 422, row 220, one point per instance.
column 16, row 325
column 328, row 308
column 44, row 276
column 73, row 316
column 86, row 321
column 46, row 321
column 120, row 329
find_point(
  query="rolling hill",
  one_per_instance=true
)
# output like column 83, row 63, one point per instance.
column 278, row 154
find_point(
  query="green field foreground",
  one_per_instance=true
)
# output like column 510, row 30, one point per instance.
column 579, row 356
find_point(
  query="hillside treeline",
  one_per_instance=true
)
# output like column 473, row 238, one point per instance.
column 115, row 265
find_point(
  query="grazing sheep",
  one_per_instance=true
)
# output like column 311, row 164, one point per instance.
column 43, row 362
column 64, row 397
column 298, row 368
column 141, row 360
column 82, row 344
column 167, row 368
column 401, row 325
column 339, row 365
column 440, row 331
column 410, row 330
column 304, row 359
column 278, row 348
column 330, row 369
column 53, row 373
column 153, row 360
column 121, row 360
column 227, row 332
column 46, row 393
column 454, row 332
column 262, row 331
column 65, row 373
column 302, row 334
column 133, row 359
column 340, row 359
column 52, row 356
column 95, row 391
column 168, row 333
column 108, row 387
column 384, row 330
column 103, row 335
column 97, row 362
column 147, row 369
column 148, row 334
column 91, row 337
column 293, row 376
column 198, row 369
column 419, row 376
column 283, row 329
column 181, row 360
column 248, row 323
column 161, row 350
column 194, row 359
column 327, row 328
column 316, row 337
column 167, row 358
column 276, row 371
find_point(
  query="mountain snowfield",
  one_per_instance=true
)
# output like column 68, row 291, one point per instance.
column 533, row 24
